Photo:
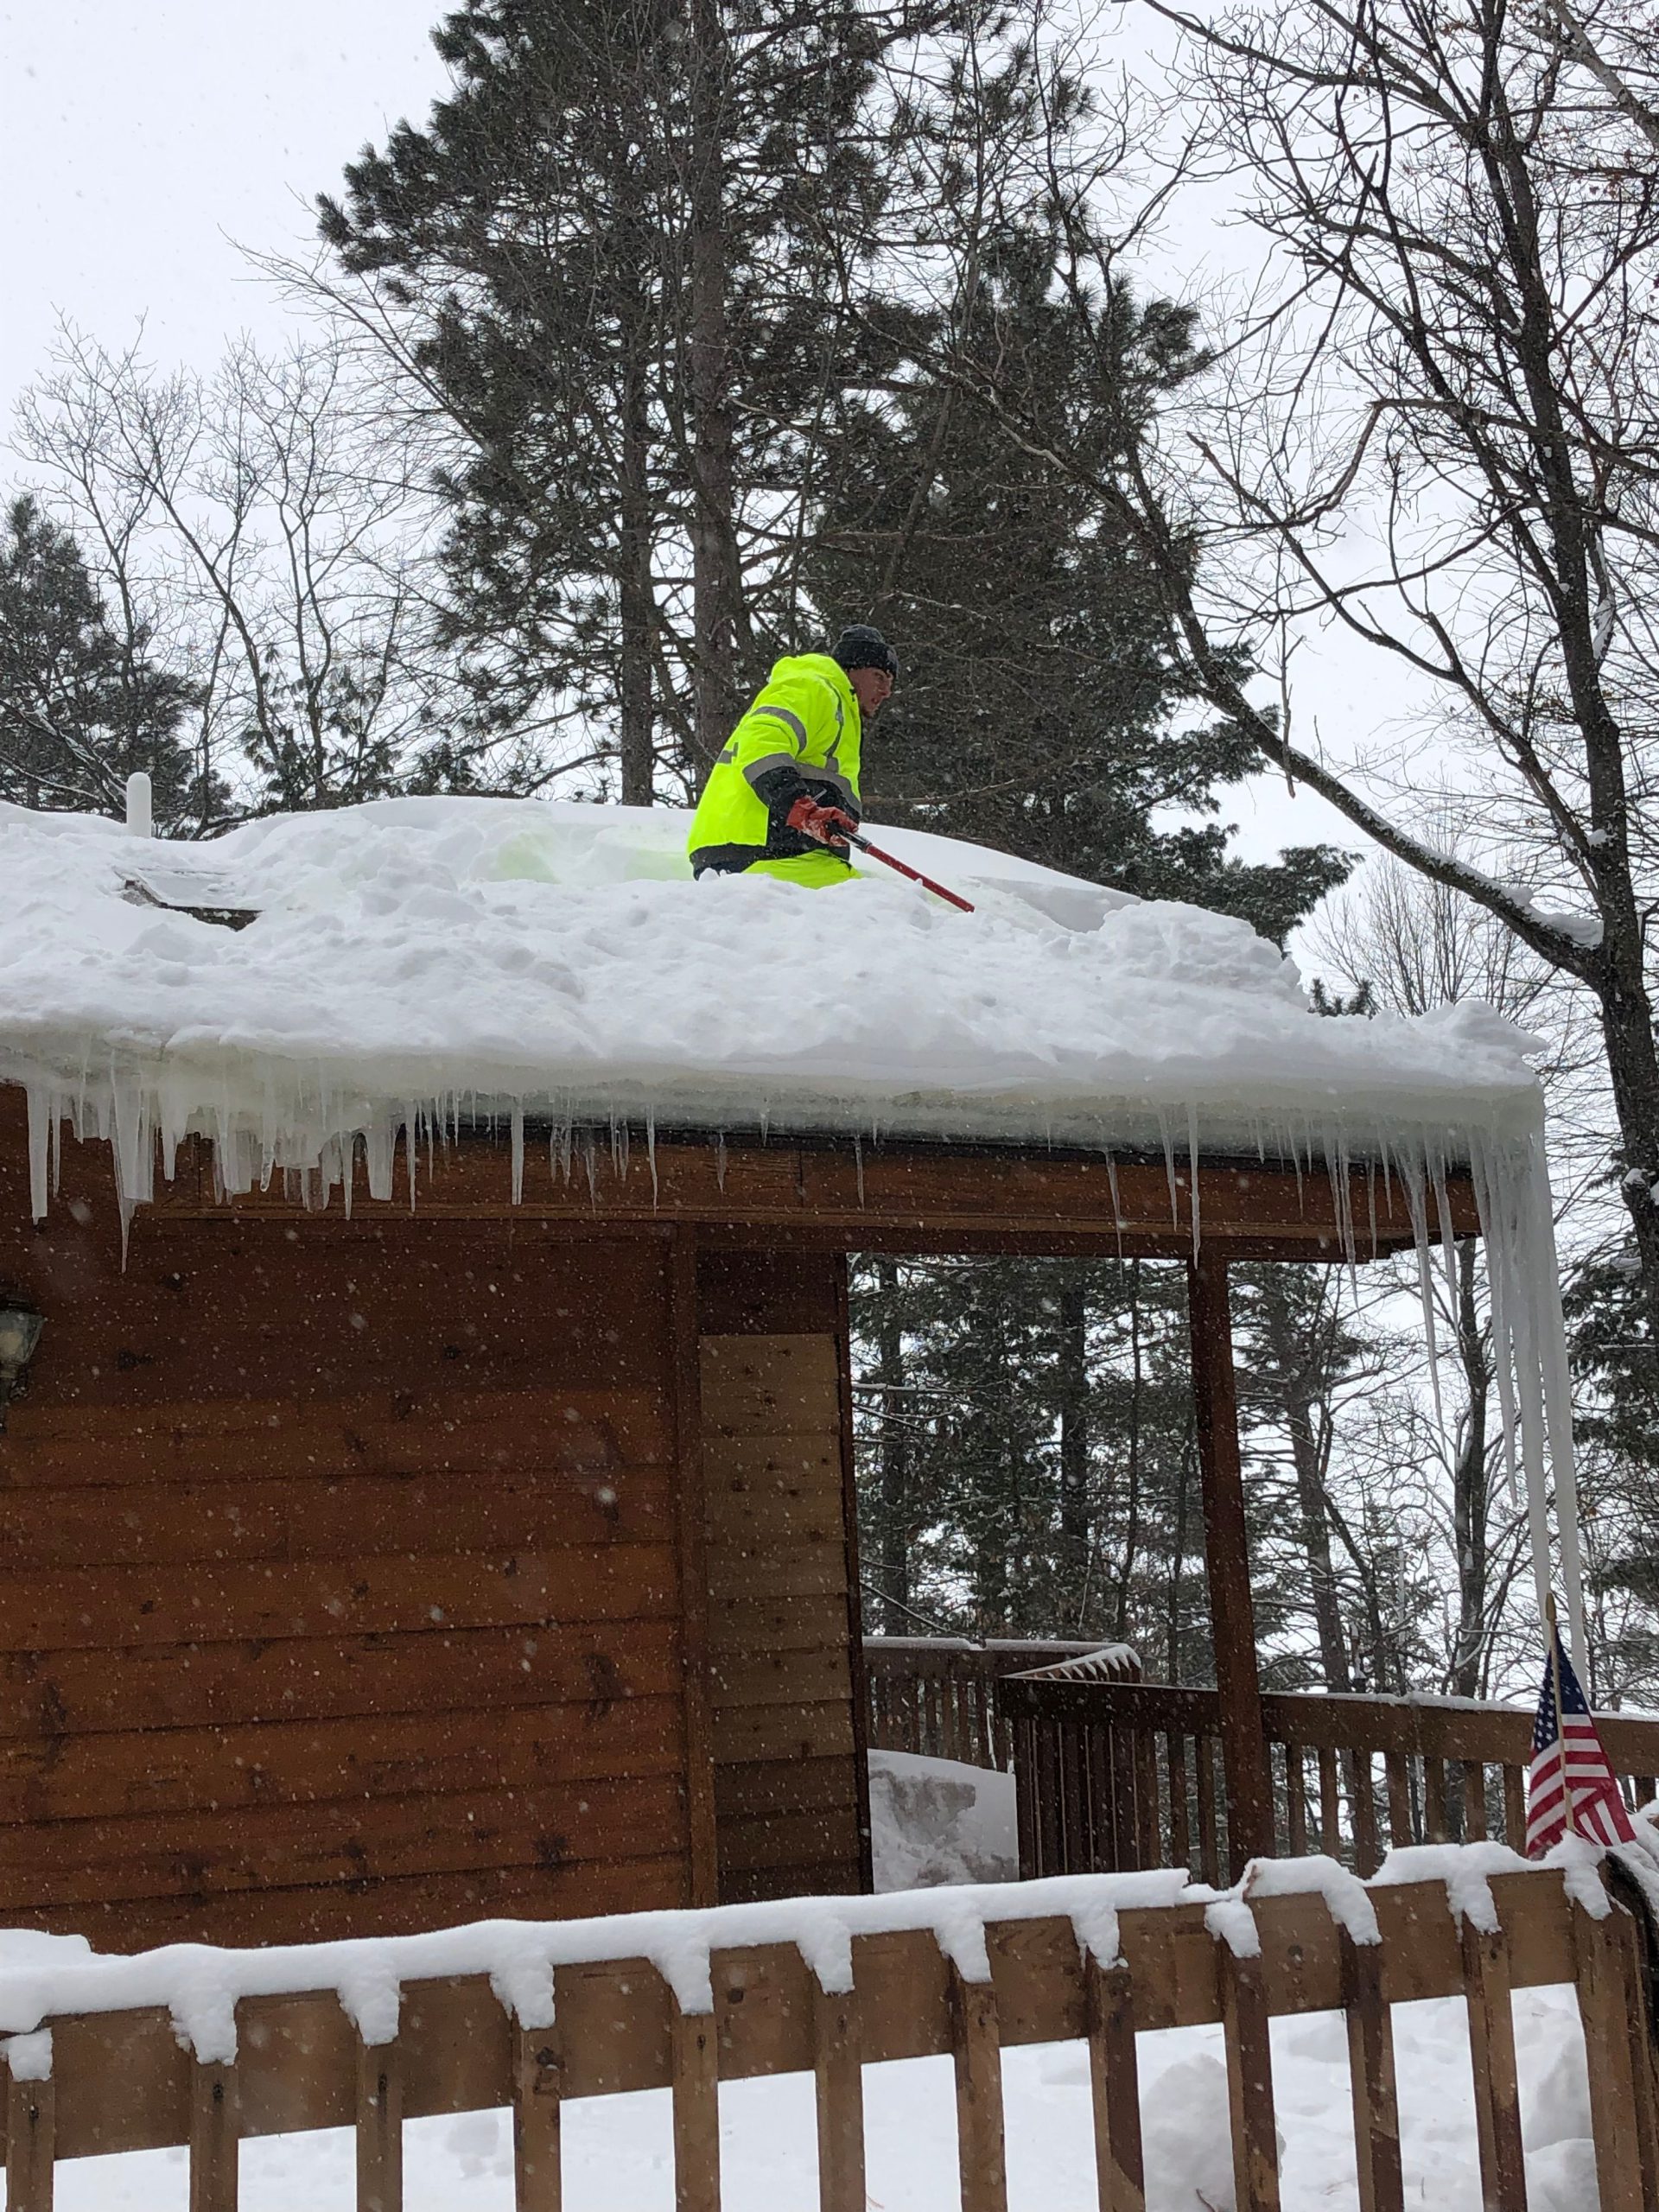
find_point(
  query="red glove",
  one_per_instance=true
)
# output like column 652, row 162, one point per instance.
column 827, row 823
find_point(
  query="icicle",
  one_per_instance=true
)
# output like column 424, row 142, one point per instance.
column 590, row 1161
column 1169, row 1166
column 720, row 1162
column 1193, row 1166
column 651, row 1153
column 1118, row 1207
column 1414, row 1188
column 40, row 1130
column 517, row 1140
column 858, row 1167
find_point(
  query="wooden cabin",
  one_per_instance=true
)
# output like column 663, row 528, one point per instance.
column 358, row 1575
column 490, row 1548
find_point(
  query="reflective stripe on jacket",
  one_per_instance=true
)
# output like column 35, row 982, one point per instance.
column 800, row 737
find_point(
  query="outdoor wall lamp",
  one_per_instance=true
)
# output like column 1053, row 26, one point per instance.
column 20, row 1331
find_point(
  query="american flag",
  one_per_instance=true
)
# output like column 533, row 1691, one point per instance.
column 1566, row 1755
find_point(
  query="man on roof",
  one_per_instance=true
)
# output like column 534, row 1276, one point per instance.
column 785, row 789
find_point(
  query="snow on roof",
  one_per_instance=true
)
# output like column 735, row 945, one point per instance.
column 557, row 959
column 412, row 959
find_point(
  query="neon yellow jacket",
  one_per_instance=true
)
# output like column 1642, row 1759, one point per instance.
column 801, row 736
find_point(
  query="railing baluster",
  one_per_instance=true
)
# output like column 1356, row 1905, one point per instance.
column 694, row 2060
column 840, row 2086
column 1434, row 1799
column 1028, row 1813
column 1515, row 1808
column 1204, row 1749
column 1049, row 1832
column 1149, row 1824
column 977, row 2044
column 1474, row 1802
column 1371, row 2075
column 1367, row 1856
column 1180, row 1828
column 538, row 2091
column 1330, row 1804
column 1249, row 2081
column 1099, row 1858
column 1491, row 2050
column 1115, row 2081
column 1295, row 1800
column 1402, row 1829
column 379, row 2128
column 31, row 2144
column 213, row 2138
column 1605, row 1998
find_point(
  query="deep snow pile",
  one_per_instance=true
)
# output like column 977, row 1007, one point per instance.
column 557, row 959
column 938, row 1821
column 414, row 961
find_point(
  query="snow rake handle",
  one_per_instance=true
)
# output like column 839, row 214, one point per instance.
column 853, row 837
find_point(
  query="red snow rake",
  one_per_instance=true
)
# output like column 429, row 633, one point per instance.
column 853, row 837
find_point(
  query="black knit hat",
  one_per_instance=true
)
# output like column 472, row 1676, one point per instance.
column 862, row 648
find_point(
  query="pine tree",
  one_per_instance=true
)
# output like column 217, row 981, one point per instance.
column 82, row 704
column 611, row 256
column 1040, row 710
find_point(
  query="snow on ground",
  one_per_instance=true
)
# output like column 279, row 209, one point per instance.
column 934, row 1820
column 557, row 959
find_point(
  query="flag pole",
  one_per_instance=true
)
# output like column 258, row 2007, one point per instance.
column 1560, row 1716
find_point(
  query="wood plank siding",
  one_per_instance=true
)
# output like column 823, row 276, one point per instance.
column 340, row 1582
column 790, row 1790
column 362, row 1572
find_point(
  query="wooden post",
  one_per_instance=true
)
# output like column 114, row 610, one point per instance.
column 214, row 2133
column 379, row 2128
column 1491, row 2052
column 840, row 2085
column 1372, row 2077
column 538, row 2084
column 704, row 1873
column 31, row 2138
column 1615, row 2103
column 1114, row 2081
column 1243, row 1745
column 1249, row 2081
column 694, row 2058
column 854, row 1578
column 977, row 2043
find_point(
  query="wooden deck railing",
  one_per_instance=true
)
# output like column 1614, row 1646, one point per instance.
column 1116, row 1776
column 1040, row 1968
column 935, row 1695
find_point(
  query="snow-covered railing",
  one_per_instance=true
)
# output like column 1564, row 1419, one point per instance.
column 1121, row 1774
column 205, row 2048
column 935, row 1695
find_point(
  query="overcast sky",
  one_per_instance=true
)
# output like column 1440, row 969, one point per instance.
column 142, row 141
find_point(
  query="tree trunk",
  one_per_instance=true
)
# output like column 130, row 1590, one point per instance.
column 1295, row 1363
column 1132, row 1469
column 1468, row 1515
column 1072, row 1390
column 716, row 580
column 636, row 598
column 892, row 1565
